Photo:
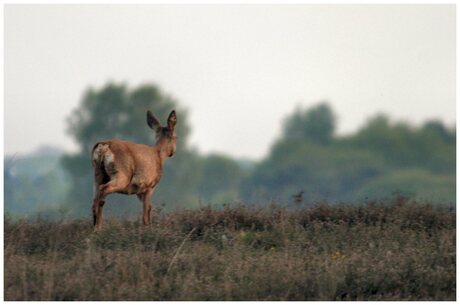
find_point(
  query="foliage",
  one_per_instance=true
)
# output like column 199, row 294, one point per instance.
column 398, row 250
column 317, row 124
column 34, row 184
column 402, row 146
column 379, row 159
column 221, row 176
column 316, row 170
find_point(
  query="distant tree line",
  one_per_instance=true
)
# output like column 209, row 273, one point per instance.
column 35, row 184
column 308, row 162
column 378, row 160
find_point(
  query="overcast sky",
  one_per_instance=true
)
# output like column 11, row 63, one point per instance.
column 238, row 69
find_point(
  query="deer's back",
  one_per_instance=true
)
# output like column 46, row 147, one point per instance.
column 138, row 162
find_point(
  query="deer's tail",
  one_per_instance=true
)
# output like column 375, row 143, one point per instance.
column 98, row 153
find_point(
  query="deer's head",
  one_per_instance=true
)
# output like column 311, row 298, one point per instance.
column 165, row 135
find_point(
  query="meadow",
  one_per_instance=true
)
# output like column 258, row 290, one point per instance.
column 397, row 250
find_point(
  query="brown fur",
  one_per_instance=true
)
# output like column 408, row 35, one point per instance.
column 129, row 168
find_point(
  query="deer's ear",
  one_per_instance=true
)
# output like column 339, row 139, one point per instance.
column 152, row 121
column 172, row 120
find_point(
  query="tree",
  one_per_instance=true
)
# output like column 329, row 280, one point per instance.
column 316, row 124
column 437, row 128
column 114, row 111
column 320, row 172
column 380, row 158
column 221, row 178
column 403, row 146
column 33, row 183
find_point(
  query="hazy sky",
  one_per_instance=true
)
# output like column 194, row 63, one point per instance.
column 238, row 69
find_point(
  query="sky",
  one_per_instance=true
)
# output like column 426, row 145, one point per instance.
column 239, row 70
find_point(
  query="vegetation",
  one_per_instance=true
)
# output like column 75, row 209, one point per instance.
column 400, row 250
column 379, row 159
column 45, row 181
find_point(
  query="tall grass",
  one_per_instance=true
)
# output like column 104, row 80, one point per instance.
column 396, row 251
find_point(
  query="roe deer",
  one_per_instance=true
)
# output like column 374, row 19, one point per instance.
column 129, row 168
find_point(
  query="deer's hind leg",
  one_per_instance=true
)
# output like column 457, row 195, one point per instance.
column 118, row 183
column 115, row 184
column 98, row 203
column 100, row 178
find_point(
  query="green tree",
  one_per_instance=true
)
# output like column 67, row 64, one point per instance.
column 379, row 159
column 320, row 172
column 437, row 128
column 402, row 146
column 316, row 124
column 114, row 111
column 221, row 177
column 41, row 176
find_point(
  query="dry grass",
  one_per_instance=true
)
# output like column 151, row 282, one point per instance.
column 396, row 251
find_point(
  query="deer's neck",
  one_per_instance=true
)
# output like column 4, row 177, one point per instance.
column 161, row 153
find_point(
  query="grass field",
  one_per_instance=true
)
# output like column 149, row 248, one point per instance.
column 395, row 251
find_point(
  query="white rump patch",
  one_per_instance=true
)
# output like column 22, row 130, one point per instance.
column 108, row 157
column 102, row 153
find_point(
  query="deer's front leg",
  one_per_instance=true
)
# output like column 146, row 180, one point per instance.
column 97, row 212
column 146, row 199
